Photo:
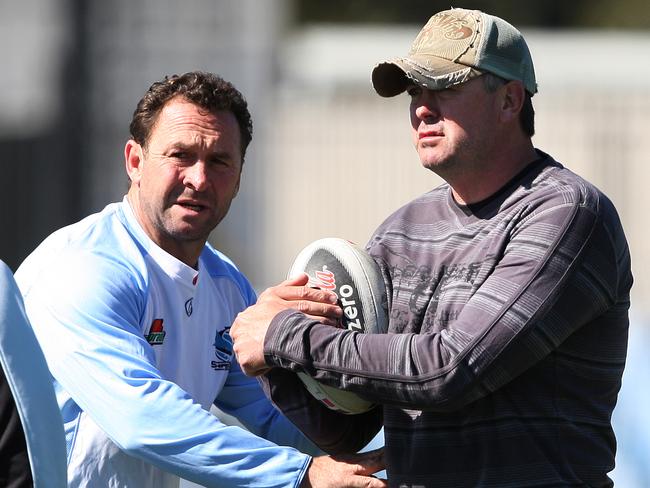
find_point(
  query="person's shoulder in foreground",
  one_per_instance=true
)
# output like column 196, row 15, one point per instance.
column 32, row 443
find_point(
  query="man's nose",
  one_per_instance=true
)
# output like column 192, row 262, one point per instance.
column 196, row 176
column 427, row 109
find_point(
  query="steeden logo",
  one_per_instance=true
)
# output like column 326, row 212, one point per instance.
column 324, row 279
column 156, row 333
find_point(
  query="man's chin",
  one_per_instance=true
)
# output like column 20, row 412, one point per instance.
column 191, row 232
column 190, row 226
column 435, row 165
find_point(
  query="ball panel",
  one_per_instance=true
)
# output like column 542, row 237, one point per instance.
column 370, row 282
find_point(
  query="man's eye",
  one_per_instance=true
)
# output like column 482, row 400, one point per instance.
column 181, row 157
column 216, row 161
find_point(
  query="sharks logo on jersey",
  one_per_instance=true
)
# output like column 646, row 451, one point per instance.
column 222, row 350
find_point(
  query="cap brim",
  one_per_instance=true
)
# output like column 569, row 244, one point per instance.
column 392, row 77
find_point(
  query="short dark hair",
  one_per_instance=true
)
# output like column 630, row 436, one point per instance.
column 206, row 90
column 527, row 115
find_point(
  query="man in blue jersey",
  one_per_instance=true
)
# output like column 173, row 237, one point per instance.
column 133, row 307
column 508, row 291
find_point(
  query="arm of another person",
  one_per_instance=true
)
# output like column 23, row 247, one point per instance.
column 563, row 267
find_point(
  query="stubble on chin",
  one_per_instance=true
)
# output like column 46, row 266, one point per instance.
column 186, row 232
column 436, row 162
column 179, row 228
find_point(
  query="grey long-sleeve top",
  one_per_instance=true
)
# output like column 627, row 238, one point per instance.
column 506, row 343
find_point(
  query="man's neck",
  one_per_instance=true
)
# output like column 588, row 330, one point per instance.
column 472, row 188
column 185, row 251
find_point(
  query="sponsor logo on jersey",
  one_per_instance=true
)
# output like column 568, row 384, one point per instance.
column 188, row 307
column 222, row 350
column 156, row 333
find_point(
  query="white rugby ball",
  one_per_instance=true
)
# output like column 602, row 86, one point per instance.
column 349, row 271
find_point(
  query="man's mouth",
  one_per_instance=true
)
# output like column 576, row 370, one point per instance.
column 194, row 206
column 429, row 133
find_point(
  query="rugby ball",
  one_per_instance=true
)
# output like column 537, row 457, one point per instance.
column 347, row 270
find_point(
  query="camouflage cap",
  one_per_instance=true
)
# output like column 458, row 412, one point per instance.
column 455, row 46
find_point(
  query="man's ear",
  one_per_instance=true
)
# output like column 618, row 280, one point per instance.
column 513, row 97
column 133, row 157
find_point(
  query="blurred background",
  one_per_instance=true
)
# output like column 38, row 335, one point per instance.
column 329, row 157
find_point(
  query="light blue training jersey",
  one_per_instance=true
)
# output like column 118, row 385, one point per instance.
column 138, row 345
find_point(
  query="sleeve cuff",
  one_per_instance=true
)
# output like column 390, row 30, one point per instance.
column 282, row 331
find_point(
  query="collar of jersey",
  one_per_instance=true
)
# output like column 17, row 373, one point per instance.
column 172, row 266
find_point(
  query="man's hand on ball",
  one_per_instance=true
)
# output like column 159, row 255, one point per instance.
column 250, row 326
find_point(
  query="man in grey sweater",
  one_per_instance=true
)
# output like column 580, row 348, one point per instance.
column 508, row 290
